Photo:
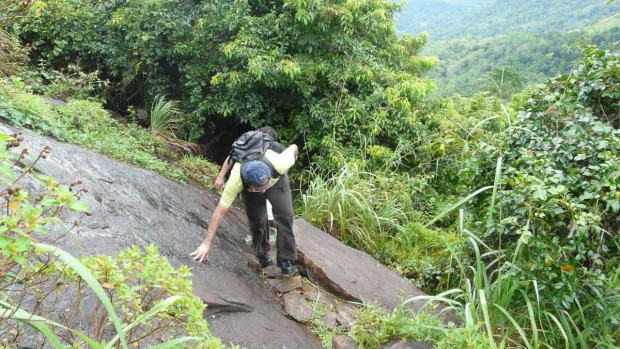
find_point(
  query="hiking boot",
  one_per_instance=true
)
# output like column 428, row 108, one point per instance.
column 286, row 267
column 265, row 260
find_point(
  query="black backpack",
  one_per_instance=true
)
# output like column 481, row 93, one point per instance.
column 252, row 145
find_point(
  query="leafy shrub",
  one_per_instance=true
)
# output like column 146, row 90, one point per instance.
column 558, row 205
column 136, row 281
column 61, row 32
column 560, row 197
column 87, row 124
column 561, row 192
column 594, row 83
column 13, row 9
column 25, row 110
column 71, row 82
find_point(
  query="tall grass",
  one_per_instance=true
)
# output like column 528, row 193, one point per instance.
column 352, row 207
column 166, row 116
column 496, row 301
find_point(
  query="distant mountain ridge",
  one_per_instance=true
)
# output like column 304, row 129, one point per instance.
column 533, row 38
column 444, row 19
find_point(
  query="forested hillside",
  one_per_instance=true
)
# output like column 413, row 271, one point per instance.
column 437, row 16
column 444, row 19
column 502, row 46
column 469, row 65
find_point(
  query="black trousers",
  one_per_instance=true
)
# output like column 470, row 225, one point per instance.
column 279, row 195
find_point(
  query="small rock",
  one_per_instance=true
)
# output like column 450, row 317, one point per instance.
column 297, row 307
column 330, row 320
column 312, row 295
column 345, row 316
column 272, row 272
column 285, row 285
column 344, row 342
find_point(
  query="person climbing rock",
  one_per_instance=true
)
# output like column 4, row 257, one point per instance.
column 220, row 181
column 258, row 180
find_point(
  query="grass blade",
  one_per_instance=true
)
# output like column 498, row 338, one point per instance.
column 174, row 342
column 34, row 321
column 457, row 204
column 143, row 317
column 498, row 176
column 516, row 326
column 487, row 320
column 40, row 324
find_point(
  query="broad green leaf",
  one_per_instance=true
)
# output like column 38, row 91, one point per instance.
column 78, row 206
column 7, row 172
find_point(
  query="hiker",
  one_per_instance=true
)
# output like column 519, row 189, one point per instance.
column 257, row 181
column 219, row 182
column 224, row 171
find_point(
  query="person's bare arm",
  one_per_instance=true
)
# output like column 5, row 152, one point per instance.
column 202, row 252
column 219, row 181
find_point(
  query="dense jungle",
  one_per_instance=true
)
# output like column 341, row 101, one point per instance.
column 470, row 146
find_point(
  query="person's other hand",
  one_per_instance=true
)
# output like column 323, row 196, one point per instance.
column 201, row 253
column 219, row 183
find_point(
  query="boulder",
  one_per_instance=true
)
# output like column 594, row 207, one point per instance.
column 133, row 206
column 348, row 273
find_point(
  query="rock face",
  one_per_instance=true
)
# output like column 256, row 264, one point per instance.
column 132, row 206
column 348, row 273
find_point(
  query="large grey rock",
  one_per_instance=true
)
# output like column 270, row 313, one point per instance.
column 132, row 206
column 354, row 275
column 348, row 273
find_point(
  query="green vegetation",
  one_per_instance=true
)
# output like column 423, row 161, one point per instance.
column 166, row 117
column 87, row 124
column 508, row 213
column 544, row 268
column 468, row 65
column 305, row 68
column 472, row 39
column 445, row 20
